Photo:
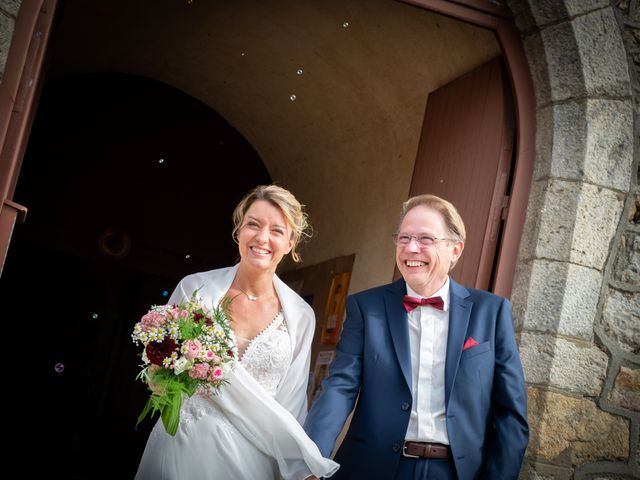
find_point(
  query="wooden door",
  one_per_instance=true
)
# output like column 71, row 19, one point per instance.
column 465, row 155
column 18, row 97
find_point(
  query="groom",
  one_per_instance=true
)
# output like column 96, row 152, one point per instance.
column 431, row 367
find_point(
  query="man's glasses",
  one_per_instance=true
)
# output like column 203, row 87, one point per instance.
column 404, row 239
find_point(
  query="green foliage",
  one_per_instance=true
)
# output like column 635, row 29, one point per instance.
column 167, row 390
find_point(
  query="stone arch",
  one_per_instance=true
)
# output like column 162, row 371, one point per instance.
column 575, row 293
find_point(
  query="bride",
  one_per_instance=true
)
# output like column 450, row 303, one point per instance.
column 252, row 429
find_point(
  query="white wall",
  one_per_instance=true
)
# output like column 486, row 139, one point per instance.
column 346, row 146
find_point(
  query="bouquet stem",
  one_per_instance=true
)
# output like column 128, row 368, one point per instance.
column 166, row 398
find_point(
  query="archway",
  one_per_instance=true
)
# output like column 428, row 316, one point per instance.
column 114, row 169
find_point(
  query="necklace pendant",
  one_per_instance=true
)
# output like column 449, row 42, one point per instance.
column 252, row 298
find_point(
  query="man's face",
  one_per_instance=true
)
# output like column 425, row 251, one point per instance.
column 425, row 268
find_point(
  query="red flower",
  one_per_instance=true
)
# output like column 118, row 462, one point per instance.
column 158, row 351
column 197, row 317
column 230, row 353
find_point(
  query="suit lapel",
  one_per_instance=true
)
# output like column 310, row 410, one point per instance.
column 459, row 313
column 398, row 326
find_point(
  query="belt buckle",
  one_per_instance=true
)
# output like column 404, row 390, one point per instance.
column 408, row 455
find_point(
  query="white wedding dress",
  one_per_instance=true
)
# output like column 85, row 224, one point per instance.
column 243, row 432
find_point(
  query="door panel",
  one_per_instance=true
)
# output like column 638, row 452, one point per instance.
column 465, row 156
column 20, row 82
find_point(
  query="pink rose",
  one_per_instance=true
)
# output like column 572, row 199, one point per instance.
column 199, row 371
column 192, row 349
column 215, row 374
column 151, row 320
column 212, row 357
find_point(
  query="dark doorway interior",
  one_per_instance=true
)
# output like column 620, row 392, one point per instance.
column 130, row 185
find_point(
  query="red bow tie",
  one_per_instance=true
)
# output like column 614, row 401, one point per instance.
column 412, row 302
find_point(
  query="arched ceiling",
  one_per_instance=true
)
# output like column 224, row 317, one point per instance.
column 360, row 72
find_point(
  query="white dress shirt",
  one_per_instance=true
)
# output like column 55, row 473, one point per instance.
column 428, row 331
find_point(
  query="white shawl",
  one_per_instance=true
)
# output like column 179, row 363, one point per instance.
column 272, row 424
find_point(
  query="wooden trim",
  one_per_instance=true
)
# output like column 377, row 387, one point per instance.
column 20, row 82
column 21, row 211
column 457, row 11
column 483, row 14
column 9, row 212
column 466, row 7
column 16, row 59
column 524, row 101
column 487, row 7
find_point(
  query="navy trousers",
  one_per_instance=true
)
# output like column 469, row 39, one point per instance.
column 425, row 469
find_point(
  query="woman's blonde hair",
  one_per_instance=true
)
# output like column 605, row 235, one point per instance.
column 284, row 200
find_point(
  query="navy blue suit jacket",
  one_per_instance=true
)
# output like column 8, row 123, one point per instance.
column 485, row 395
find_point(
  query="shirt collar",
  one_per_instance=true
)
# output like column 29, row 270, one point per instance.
column 442, row 292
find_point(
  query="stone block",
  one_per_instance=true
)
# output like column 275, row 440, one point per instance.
column 626, row 389
column 563, row 63
column 527, row 248
column 556, row 204
column 522, row 16
column 542, row 471
column 520, row 292
column 557, row 297
column 634, row 211
column 10, row 6
column 609, row 476
column 577, row 222
column 609, row 149
column 574, row 431
column 573, row 366
column 627, row 266
column 535, row 52
column 621, row 319
column 605, row 67
column 552, row 11
column 586, row 140
column 597, row 218
column 583, row 56
column 561, row 140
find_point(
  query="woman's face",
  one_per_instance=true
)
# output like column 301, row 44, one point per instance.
column 264, row 236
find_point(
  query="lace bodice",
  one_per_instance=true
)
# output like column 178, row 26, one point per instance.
column 268, row 355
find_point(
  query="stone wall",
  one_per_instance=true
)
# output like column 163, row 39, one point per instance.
column 8, row 13
column 575, row 296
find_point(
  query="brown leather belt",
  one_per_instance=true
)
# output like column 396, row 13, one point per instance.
column 426, row 450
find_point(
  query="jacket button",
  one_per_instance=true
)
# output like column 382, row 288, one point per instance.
column 405, row 406
column 396, row 447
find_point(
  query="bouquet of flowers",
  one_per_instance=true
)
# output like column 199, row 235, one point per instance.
column 186, row 346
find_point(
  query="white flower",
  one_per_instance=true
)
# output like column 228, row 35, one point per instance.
column 144, row 357
column 227, row 367
column 181, row 365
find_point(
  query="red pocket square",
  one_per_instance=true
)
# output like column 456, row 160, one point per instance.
column 469, row 343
